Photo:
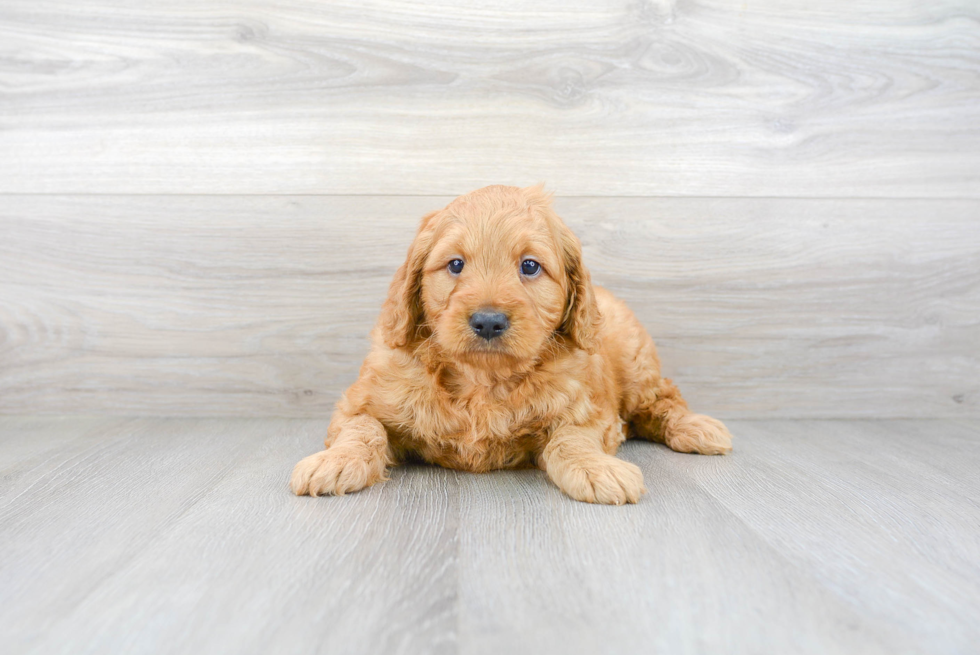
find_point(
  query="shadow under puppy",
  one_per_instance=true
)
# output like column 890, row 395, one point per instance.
column 494, row 350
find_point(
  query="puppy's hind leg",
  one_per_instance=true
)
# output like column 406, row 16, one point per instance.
column 656, row 411
column 665, row 417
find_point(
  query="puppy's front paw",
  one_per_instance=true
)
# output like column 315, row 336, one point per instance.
column 603, row 479
column 697, row 433
column 337, row 471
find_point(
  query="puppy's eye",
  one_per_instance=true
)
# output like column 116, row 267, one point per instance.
column 530, row 268
column 455, row 266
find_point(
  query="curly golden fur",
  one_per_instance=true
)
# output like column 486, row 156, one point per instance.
column 569, row 379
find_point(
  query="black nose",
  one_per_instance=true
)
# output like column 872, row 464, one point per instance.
column 489, row 325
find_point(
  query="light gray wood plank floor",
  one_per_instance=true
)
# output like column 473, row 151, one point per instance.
column 179, row 535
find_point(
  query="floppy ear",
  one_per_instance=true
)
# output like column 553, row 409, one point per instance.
column 580, row 322
column 401, row 314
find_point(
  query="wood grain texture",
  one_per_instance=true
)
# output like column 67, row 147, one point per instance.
column 170, row 535
column 250, row 568
column 27, row 438
column 120, row 493
column 702, row 98
column 903, row 484
column 814, row 536
column 201, row 305
column 676, row 573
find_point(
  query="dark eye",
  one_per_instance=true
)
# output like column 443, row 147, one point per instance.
column 530, row 268
column 456, row 266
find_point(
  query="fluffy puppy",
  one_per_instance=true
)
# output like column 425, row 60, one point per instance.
column 494, row 350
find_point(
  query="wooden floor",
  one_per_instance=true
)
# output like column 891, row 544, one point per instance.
column 179, row 535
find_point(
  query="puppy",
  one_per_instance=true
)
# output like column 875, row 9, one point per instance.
column 494, row 350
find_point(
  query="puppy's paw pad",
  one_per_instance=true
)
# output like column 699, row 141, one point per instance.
column 697, row 433
column 605, row 480
column 335, row 471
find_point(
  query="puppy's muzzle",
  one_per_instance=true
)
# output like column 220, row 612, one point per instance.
column 489, row 324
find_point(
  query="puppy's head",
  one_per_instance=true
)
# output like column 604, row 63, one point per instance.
column 494, row 278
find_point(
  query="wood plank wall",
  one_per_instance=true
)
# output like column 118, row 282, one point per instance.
column 201, row 203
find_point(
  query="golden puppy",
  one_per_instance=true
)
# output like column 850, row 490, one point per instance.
column 494, row 350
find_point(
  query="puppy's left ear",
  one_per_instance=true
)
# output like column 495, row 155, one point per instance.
column 581, row 320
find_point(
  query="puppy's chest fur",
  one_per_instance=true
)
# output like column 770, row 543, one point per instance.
column 473, row 427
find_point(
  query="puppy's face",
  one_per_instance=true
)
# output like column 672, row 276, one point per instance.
column 493, row 283
column 492, row 279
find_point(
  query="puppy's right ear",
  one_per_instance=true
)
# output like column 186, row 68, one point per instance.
column 402, row 315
